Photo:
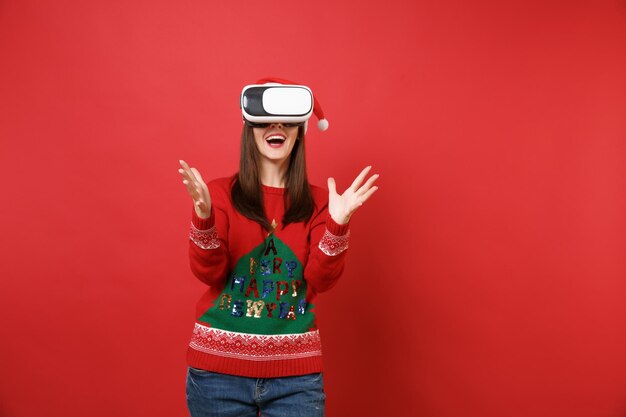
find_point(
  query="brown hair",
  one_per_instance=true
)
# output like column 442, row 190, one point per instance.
column 247, row 192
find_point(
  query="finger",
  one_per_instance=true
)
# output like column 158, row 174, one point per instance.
column 192, row 190
column 357, row 182
column 183, row 164
column 200, row 182
column 185, row 175
column 188, row 170
column 200, row 185
column 188, row 175
column 368, row 184
column 332, row 188
column 197, row 174
column 368, row 194
column 354, row 207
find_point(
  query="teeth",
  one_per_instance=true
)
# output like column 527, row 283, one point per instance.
column 275, row 137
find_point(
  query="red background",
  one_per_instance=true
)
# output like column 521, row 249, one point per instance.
column 486, row 277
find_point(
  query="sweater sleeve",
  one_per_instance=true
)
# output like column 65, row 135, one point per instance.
column 327, row 253
column 208, row 243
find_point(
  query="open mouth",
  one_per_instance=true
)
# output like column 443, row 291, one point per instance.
column 275, row 141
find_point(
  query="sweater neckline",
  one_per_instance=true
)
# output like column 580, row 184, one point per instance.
column 272, row 190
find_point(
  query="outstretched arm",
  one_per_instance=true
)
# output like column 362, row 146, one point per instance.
column 330, row 232
column 208, row 249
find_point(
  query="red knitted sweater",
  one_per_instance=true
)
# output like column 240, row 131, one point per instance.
column 257, row 318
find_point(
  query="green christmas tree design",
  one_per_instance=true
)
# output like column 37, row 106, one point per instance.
column 264, row 294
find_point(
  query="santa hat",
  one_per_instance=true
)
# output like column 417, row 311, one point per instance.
column 322, row 123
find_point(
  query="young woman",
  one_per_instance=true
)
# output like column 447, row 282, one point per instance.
column 266, row 242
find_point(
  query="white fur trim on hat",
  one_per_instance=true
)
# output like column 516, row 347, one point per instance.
column 322, row 124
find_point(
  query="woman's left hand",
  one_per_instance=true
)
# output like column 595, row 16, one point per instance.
column 342, row 207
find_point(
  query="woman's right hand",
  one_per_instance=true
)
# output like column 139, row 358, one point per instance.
column 197, row 189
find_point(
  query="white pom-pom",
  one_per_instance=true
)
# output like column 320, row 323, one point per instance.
column 322, row 124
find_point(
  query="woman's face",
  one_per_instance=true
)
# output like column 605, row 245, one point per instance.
column 275, row 141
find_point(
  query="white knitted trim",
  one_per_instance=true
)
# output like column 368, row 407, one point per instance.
column 333, row 245
column 255, row 347
column 206, row 239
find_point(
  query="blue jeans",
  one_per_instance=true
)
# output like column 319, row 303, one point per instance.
column 210, row 394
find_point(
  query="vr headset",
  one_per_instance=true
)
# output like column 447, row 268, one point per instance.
column 264, row 103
